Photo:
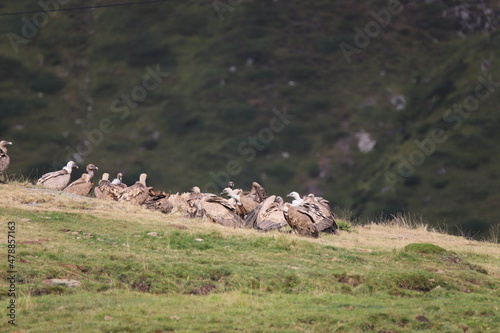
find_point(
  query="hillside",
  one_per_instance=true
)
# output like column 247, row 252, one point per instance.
column 92, row 85
column 195, row 276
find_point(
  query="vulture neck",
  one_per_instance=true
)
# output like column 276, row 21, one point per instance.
column 90, row 173
column 68, row 168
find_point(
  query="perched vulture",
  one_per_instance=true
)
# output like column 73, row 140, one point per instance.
column 106, row 190
column 137, row 193
column 58, row 180
column 4, row 158
column 244, row 204
column 266, row 216
column 83, row 185
column 158, row 200
column 214, row 208
column 300, row 222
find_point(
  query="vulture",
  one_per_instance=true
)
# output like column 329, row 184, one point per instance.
column 58, row 180
column 297, row 201
column 318, row 209
column 83, row 185
column 301, row 223
column 321, row 209
column 106, row 190
column 244, row 204
column 158, row 200
column 256, row 193
column 119, row 180
column 4, row 158
column 266, row 216
column 137, row 193
column 214, row 208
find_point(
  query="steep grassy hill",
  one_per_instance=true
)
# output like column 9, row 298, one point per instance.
column 75, row 88
column 136, row 270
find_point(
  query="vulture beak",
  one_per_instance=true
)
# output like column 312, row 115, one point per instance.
column 9, row 143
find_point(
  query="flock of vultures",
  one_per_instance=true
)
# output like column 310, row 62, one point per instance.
column 307, row 216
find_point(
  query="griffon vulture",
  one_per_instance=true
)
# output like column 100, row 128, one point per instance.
column 300, row 222
column 244, row 204
column 319, row 210
column 267, row 216
column 106, row 190
column 58, row 180
column 214, row 208
column 83, row 185
column 137, row 193
column 119, row 180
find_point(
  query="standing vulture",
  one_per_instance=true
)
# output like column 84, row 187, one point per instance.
column 58, row 180
column 244, row 204
column 300, row 222
column 266, row 216
column 106, row 190
column 83, row 185
column 137, row 193
column 318, row 209
column 4, row 158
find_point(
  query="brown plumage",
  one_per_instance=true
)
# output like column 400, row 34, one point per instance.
column 158, row 200
column 301, row 223
column 258, row 193
column 4, row 158
column 216, row 209
column 136, row 194
column 83, row 185
column 320, row 209
column 57, row 180
column 266, row 216
column 244, row 204
column 105, row 190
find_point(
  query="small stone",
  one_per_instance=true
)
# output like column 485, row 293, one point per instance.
column 63, row 282
column 25, row 220
column 75, row 233
column 78, row 237
column 153, row 234
column 198, row 239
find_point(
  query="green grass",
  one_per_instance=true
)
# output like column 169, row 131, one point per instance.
column 195, row 276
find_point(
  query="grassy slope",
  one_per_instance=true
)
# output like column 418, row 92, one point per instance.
column 355, row 282
column 82, row 61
